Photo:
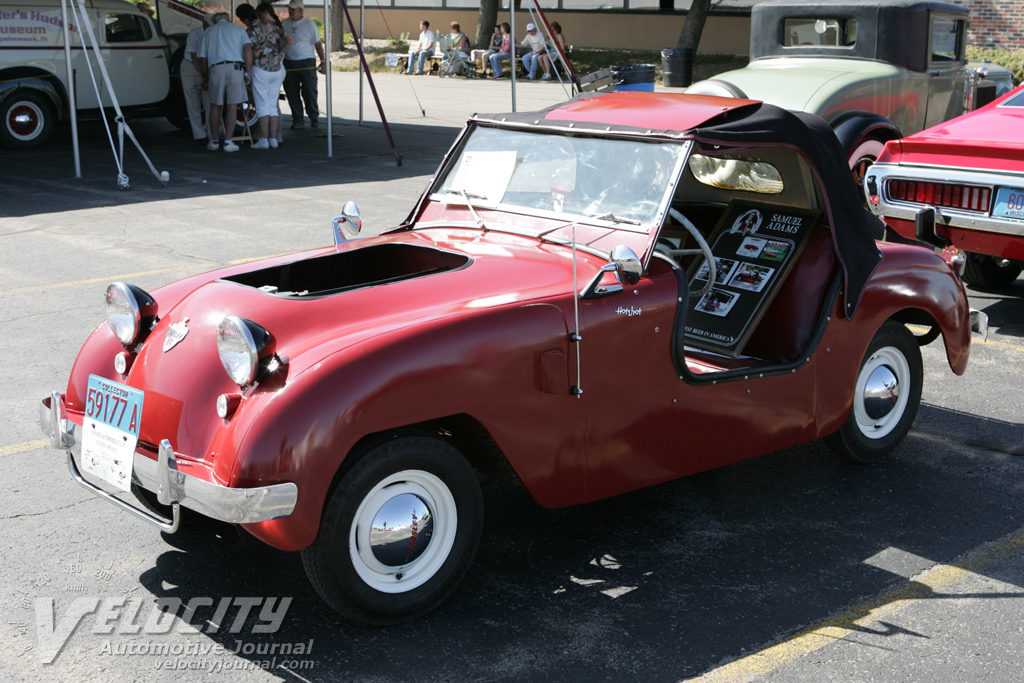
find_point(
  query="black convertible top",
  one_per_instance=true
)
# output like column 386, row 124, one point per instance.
column 853, row 226
column 739, row 124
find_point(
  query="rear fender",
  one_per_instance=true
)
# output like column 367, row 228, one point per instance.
column 910, row 280
column 12, row 80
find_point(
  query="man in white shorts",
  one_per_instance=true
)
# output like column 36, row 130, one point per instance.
column 225, row 60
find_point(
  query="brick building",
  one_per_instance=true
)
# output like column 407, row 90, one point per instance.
column 996, row 23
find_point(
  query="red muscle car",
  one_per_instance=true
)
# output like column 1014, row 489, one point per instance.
column 531, row 318
column 961, row 184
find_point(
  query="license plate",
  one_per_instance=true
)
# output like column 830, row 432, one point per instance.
column 1009, row 203
column 110, row 431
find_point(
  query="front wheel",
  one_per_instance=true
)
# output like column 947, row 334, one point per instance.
column 398, row 532
column 26, row 119
column 886, row 396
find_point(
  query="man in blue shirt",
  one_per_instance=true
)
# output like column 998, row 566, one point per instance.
column 225, row 60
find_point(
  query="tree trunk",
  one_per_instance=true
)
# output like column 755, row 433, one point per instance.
column 485, row 22
column 689, row 37
column 338, row 28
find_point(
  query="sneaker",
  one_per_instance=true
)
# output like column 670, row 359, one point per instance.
column 230, row 146
column 272, row 142
column 532, row 77
column 314, row 123
column 262, row 144
column 213, row 145
column 546, row 77
column 298, row 125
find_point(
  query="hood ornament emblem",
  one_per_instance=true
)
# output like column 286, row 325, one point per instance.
column 175, row 334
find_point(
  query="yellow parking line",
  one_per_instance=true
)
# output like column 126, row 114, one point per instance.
column 21, row 447
column 874, row 609
column 124, row 276
column 974, row 340
column 1001, row 345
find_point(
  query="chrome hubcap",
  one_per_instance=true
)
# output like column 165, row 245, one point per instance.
column 23, row 121
column 881, row 393
column 401, row 530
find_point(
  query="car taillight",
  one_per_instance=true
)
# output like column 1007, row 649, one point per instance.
column 945, row 195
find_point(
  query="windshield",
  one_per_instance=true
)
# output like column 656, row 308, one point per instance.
column 626, row 182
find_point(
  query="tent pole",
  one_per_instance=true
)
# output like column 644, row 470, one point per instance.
column 512, row 12
column 72, row 104
column 327, row 48
column 362, row 35
column 369, row 79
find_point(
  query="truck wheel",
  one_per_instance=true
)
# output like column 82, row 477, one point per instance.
column 27, row 120
column 886, row 396
column 990, row 272
column 398, row 532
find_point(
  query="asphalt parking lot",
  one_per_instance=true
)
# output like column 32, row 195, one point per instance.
column 794, row 566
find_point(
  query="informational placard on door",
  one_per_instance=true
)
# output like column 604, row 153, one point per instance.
column 755, row 246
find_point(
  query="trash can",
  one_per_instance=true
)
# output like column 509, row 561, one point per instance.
column 676, row 67
column 633, row 77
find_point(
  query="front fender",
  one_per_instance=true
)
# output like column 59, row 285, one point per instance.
column 486, row 364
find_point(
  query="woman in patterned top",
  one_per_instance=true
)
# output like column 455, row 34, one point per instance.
column 269, row 43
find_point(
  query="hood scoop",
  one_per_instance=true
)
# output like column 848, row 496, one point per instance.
column 350, row 269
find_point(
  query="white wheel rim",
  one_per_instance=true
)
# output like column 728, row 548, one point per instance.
column 892, row 359
column 25, row 121
column 437, row 498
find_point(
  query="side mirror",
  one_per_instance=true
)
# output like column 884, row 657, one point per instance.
column 626, row 266
column 349, row 224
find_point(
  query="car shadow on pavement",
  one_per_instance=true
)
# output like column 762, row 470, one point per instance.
column 45, row 182
column 655, row 585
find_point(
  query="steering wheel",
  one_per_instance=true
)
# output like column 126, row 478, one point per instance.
column 704, row 250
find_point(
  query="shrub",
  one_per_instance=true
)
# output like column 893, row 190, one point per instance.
column 1011, row 59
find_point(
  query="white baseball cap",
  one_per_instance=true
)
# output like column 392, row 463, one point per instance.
column 295, row 4
column 529, row 27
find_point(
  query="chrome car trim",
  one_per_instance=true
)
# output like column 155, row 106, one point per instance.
column 171, row 485
column 170, row 526
column 883, row 173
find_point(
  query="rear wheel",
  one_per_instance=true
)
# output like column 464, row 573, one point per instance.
column 990, row 272
column 886, row 396
column 398, row 532
column 26, row 119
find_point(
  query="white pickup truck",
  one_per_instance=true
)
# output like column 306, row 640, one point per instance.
column 141, row 55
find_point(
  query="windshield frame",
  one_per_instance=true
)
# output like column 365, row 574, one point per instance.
column 437, row 193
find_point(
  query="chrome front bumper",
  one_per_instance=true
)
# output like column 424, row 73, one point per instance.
column 173, row 486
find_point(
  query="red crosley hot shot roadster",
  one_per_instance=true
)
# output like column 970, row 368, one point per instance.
column 538, row 315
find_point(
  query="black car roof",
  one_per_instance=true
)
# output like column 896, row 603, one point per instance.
column 893, row 31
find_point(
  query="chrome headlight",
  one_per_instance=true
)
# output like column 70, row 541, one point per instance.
column 239, row 343
column 127, row 307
